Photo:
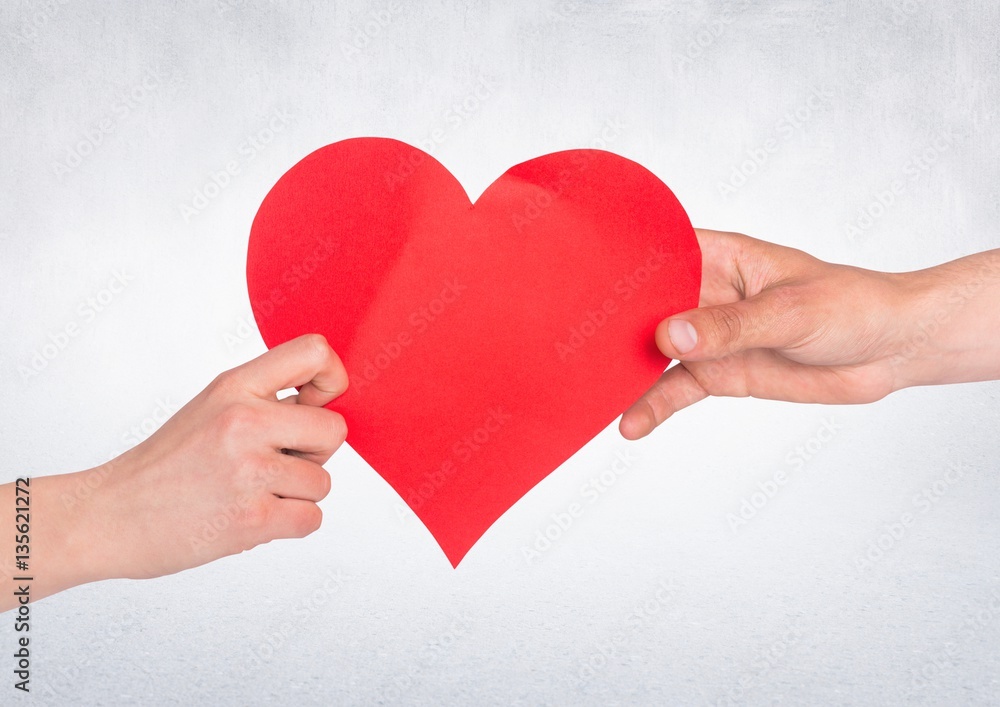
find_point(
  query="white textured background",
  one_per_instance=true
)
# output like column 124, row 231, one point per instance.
column 367, row 610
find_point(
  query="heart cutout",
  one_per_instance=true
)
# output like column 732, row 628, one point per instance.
column 485, row 343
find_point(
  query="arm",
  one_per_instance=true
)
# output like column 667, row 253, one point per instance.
column 212, row 482
column 777, row 323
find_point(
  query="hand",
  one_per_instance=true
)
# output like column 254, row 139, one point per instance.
column 777, row 323
column 213, row 481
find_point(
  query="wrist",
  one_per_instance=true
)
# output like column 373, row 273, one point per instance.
column 72, row 540
column 916, row 316
column 948, row 323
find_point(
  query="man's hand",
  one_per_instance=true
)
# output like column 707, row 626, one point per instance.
column 234, row 468
column 777, row 323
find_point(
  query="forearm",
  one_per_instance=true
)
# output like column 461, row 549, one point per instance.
column 954, row 336
column 60, row 537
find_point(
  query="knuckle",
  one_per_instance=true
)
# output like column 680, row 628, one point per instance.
column 785, row 298
column 338, row 427
column 253, row 473
column 270, row 471
column 237, row 419
column 317, row 346
column 257, row 513
column 727, row 323
column 222, row 384
column 245, row 474
column 735, row 239
column 793, row 309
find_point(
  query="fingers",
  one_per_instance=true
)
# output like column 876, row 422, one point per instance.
column 307, row 361
column 286, row 506
column 314, row 433
column 273, row 518
column 293, row 477
column 675, row 390
column 724, row 259
column 769, row 320
column 296, row 518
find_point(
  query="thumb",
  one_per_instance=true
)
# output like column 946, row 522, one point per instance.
column 708, row 333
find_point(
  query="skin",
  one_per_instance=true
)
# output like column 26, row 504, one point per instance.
column 211, row 482
column 773, row 322
column 777, row 323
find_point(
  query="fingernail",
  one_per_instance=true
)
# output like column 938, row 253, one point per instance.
column 682, row 335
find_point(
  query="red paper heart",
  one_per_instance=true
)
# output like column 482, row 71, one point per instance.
column 485, row 343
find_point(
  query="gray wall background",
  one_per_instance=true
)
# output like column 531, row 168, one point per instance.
column 650, row 596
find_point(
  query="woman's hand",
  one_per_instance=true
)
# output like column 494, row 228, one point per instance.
column 213, row 481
